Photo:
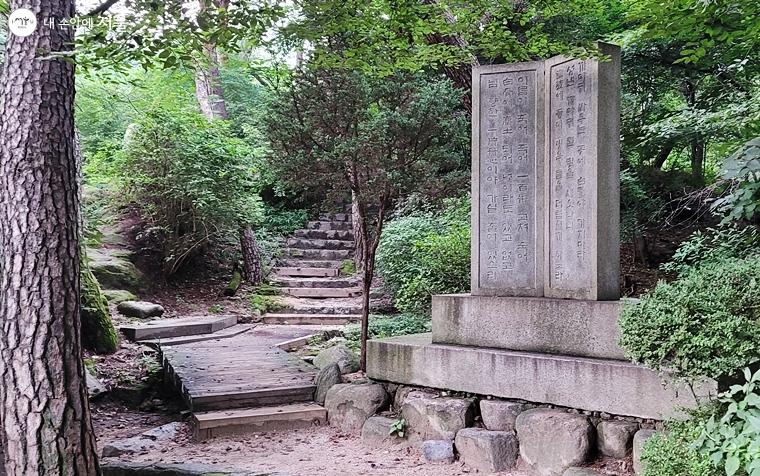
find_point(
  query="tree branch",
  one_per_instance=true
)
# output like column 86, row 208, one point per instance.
column 102, row 8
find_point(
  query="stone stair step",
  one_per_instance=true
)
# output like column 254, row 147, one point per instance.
column 300, row 282
column 343, row 217
column 222, row 334
column 329, row 225
column 325, row 234
column 293, row 305
column 317, row 254
column 322, row 292
column 306, row 272
column 251, row 420
column 320, row 244
column 188, row 326
column 311, row 319
column 309, row 263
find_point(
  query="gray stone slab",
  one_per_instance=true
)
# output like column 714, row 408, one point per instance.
column 582, row 232
column 169, row 328
column 616, row 387
column 561, row 326
column 507, row 185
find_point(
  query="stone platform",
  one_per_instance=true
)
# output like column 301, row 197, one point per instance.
column 533, row 324
column 611, row 386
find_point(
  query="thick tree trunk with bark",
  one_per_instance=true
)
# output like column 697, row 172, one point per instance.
column 251, row 256
column 45, row 412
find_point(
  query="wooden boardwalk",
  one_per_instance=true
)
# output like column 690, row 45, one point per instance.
column 246, row 370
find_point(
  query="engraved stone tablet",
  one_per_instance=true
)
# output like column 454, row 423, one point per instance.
column 507, row 188
column 582, row 232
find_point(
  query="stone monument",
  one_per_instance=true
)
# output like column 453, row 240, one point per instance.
column 541, row 321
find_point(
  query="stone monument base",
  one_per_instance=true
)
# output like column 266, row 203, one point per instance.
column 612, row 386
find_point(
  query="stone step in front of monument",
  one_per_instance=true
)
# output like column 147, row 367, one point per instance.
column 254, row 420
column 342, row 306
column 166, row 328
column 610, row 386
column 310, row 319
column 319, row 244
column 306, row 272
column 321, row 293
column 346, row 235
column 329, row 225
column 317, row 254
column 314, row 282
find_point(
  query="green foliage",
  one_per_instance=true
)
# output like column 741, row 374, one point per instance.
column 705, row 324
column 348, row 268
column 380, row 327
column 638, row 206
column 192, row 180
column 733, row 440
column 673, row 453
column 712, row 247
column 742, row 170
column 281, row 221
column 426, row 253
column 398, row 428
column 264, row 299
column 216, row 309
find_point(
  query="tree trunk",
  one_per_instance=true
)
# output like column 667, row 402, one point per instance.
column 251, row 256
column 357, row 223
column 698, row 160
column 663, row 154
column 370, row 251
column 208, row 80
column 45, row 412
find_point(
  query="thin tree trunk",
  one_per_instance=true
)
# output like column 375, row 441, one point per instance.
column 251, row 256
column 698, row 160
column 357, row 223
column 208, row 80
column 370, row 251
column 663, row 154
column 45, row 412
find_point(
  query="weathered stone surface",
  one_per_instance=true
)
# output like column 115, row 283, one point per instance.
column 95, row 388
column 328, row 376
column 486, row 450
column 144, row 441
column 140, row 309
column 377, row 429
column 430, row 417
column 113, row 270
column 552, row 326
column 500, row 415
column 400, row 396
column 133, row 394
column 617, row 387
column 614, row 437
column 129, row 468
column 349, row 405
column 582, row 472
column 553, row 440
column 639, row 439
column 507, row 179
column 582, row 238
column 338, row 354
column 117, row 296
column 438, row 451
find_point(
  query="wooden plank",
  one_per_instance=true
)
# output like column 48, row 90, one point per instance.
column 282, row 417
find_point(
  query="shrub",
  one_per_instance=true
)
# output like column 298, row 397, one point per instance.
column 380, row 327
column 426, row 253
column 712, row 247
column 673, row 453
column 193, row 182
column 705, row 324
column 638, row 205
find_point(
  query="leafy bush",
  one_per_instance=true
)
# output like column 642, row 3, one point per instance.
column 638, row 206
column 380, row 327
column 712, row 247
column 672, row 453
column 706, row 324
column 742, row 169
column 192, row 180
column 426, row 253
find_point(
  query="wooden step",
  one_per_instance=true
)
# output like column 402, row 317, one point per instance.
column 222, row 334
column 188, row 326
column 308, row 263
column 306, row 272
column 321, row 293
column 251, row 420
column 310, row 319
column 315, row 282
column 222, row 399
column 319, row 244
column 329, row 225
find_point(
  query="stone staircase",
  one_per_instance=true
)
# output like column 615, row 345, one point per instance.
column 312, row 288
